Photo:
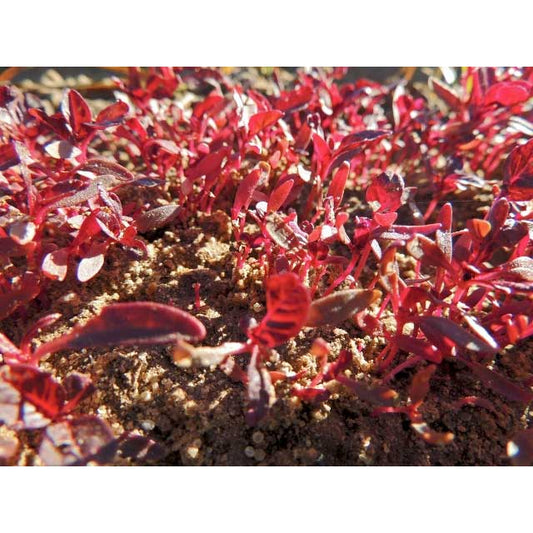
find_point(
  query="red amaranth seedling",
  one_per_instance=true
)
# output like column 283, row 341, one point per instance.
column 337, row 192
column 289, row 309
column 32, row 399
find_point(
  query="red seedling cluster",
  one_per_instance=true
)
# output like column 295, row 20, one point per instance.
column 31, row 399
column 340, row 193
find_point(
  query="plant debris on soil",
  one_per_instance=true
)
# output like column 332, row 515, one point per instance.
column 263, row 266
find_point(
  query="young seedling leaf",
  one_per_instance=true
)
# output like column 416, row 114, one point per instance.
column 499, row 383
column 508, row 93
column 339, row 306
column 279, row 195
column 79, row 114
column 29, row 397
column 78, row 441
column 518, row 172
column 92, row 263
column 338, row 183
column 288, row 303
column 261, row 394
column 77, row 387
column 376, row 395
column 208, row 164
column 112, row 115
column 157, row 218
column 263, row 120
column 185, row 354
column 420, row 384
column 128, row 323
column 440, row 329
column 62, row 150
column 104, row 167
column 386, row 193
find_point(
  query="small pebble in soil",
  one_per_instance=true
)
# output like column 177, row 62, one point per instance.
column 148, row 425
column 249, row 451
column 179, row 394
column 146, row 396
column 191, row 408
column 192, row 452
column 258, row 437
column 259, row 455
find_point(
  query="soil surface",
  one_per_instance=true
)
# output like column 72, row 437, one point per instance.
column 198, row 414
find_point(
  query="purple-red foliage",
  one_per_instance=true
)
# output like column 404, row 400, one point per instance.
column 286, row 167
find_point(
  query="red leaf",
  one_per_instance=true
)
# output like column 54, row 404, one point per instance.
column 261, row 394
column 279, row 195
column 126, row 324
column 420, row 384
column 446, row 93
column 312, row 394
column 55, row 264
column 92, row 190
column 499, row 383
column 508, row 93
column 338, row 183
column 263, row 120
column 291, row 101
column 353, row 145
column 29, row 397
column 518, row 172
column 62, row 150
column 92, row 263
column 210, row 106
column 377, row 395
column 77, row 442
column 385, row 220
column 246, row 188
column 321, row 148
column 521, row 267
column 442, row 331
column 77, row 387
column 499, row 210
column 185, row 354
column 208, row 164
column 8, row 156
column 55, row 122
column 112, row 114
column 361, row 138
column 103, row 167
column 79, row 114
column 386, row 192
column 288, row 303
column 478, row 228
column 157, row 217
column 418, row 347
column 429, row 254
column 339, row 306
column 19, row 293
